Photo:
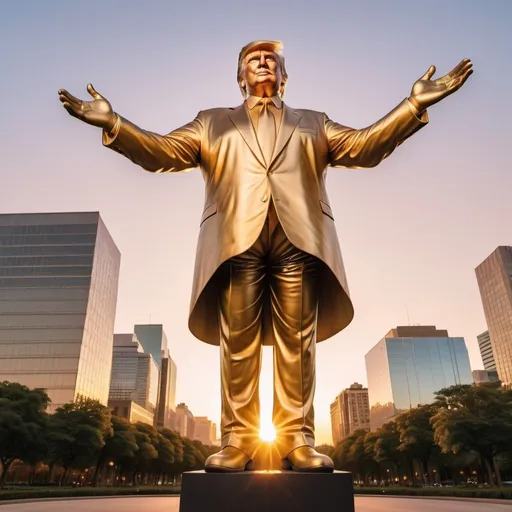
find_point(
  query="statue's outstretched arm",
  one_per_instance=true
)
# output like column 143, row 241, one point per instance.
column 367, row 147
column 177, row 151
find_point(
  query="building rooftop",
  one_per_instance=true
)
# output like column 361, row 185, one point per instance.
column 417, row 331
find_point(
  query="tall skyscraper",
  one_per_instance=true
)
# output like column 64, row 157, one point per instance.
column 484, row 343
column 494, row 277
column 135, row 381
column 166, row 413
column 350, row 411
column 409, row 365
column 154, row 341
column 59, row 277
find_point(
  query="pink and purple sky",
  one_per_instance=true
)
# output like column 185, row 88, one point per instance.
column 412, row 230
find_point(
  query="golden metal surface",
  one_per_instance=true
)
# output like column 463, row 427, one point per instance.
column 268, row 265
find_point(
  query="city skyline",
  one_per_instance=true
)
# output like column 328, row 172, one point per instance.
column 412, row 230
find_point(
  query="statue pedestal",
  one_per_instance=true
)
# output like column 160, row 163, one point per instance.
column 267, row 491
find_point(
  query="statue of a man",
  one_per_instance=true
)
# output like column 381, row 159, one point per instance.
column 268, row 269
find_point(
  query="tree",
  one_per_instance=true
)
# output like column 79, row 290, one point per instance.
column 477, row 419
column 78, row 432
column 363, row 461
column 147, row 442
column 417, row 438
column 386, row 449
column 119, row 447
column 177, row 442
column 370, row 440
column 22, row 424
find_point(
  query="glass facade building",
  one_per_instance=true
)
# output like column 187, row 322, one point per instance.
column 494, row 277
column 154, row 341
column 409, row 365
column 135, row 377
column 59, row 276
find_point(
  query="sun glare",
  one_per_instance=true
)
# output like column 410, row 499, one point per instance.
column 267, row 432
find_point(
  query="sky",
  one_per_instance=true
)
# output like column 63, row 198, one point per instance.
column 412, row 230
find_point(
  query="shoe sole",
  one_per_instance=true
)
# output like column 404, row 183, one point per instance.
column 223, row 469
column 287, row 466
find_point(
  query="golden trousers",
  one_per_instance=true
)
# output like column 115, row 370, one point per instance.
column 276, row 275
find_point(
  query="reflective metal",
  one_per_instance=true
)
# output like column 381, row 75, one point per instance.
column 241, row 185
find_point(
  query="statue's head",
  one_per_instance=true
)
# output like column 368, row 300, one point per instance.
column 261, row 64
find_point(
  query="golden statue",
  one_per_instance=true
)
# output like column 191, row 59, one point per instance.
column 268, row 268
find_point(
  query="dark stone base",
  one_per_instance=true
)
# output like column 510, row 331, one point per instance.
column 267, row 491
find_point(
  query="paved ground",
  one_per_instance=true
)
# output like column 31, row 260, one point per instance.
column 171, row 504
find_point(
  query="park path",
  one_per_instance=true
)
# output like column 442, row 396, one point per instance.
column 171, row 504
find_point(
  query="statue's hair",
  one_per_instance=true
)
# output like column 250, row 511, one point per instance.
column 277, row 48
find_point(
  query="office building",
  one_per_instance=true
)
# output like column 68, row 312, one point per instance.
column 494, row 277
column 484, row 343
column 350, row 411
column 59, row 277
column 167, row 404
column 205, row 430
column 409, row 365
column 480, row 376
column 131, row 411
column 154, row 341
column 336, row 420
column 135, row 380
column 185, row 424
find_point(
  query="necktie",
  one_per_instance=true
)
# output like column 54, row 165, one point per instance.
column 266, row 129
column 266, row 134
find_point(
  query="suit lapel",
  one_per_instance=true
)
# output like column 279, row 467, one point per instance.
column 241, row 120
column 289, row 122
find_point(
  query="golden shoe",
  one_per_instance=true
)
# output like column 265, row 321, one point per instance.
column 228, row 460
column 306, row 459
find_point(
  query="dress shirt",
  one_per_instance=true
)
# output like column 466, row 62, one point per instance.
column 276, row 108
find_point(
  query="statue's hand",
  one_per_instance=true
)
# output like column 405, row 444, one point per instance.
column 97, row 112
column 426, row 92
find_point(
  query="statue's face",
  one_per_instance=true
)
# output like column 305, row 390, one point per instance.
column 262, row 72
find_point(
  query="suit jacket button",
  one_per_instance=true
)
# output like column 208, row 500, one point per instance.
column 264, row 198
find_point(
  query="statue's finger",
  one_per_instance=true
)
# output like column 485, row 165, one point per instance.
column 464, row 65
column 68, row 96
column 92, row 91
column 430, row 72
column 65, row 99
column 465, row 76
column 71, row 109
column 457, row 68
column 461, row 70
column 468, row 66
column 458, row 82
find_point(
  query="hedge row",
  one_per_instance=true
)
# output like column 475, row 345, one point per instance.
column 446, row 492
column 66, row 492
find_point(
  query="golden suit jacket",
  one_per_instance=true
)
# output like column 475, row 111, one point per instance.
column 223, row 144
